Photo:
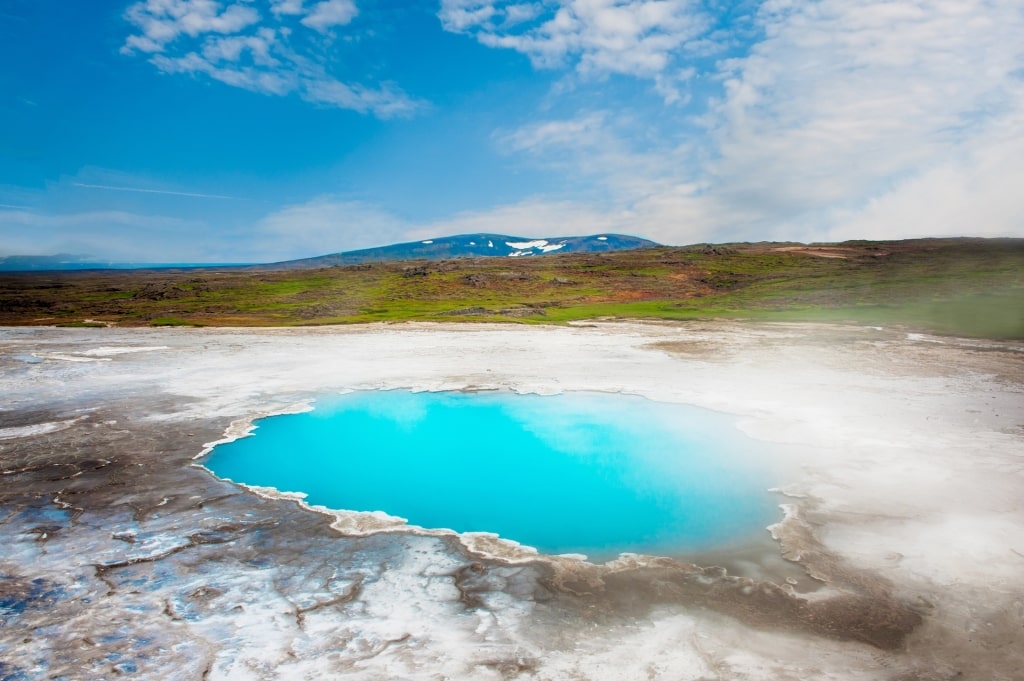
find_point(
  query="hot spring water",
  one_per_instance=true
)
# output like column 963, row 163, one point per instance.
column 575, row 473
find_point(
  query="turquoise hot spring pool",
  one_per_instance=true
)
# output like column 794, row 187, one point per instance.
column 596, row 474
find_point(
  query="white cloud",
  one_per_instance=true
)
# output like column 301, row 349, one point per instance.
column 163, row 21
column 330, row 13
column 976, row 193
column 237, row 45
column 599, row 150
column 322, row 225
column 518, row 13
column 882, row 119
column 843, row 103
column 531, row 217
column 588, row 130
column 286, row 7
column 105, row 234
column 465, row 15
column 268, row 82
column 231, row 48
column 386, row 101
column 319, row 226
column 596, row 37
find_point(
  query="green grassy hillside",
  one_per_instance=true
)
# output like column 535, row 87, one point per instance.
column 960, row 286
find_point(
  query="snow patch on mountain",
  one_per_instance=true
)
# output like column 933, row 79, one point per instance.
column 522, row 245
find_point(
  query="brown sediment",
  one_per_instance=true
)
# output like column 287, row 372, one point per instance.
column 858, row 606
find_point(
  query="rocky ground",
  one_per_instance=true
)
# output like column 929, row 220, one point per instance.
column 899, row 553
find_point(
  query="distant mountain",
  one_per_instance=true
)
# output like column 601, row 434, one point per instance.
column 462, row 246
column 65, row 262
column 471, row 246
column 61, row 261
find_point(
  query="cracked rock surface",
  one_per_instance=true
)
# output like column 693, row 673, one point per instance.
column 899, row 553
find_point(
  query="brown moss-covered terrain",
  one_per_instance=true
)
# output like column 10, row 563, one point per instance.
column 969, row 287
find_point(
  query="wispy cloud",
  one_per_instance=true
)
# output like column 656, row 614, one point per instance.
column 286, row 7
column 641, row 38
column 329, row 13
column 161, row 22
column 842, row 104
column 584, row 130
column 531, row 217
column 268, row 52
column 152, row 191
column 106, row 234
column 876, row 119
column 324, row 224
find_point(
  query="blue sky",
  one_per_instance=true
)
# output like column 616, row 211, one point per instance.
column 256, row 130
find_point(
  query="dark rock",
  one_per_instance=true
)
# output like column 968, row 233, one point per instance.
column 518, row 276
column 522, row 312
column 468, row 311
column 708, row 249
column 415, row 271
column 161, row 292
